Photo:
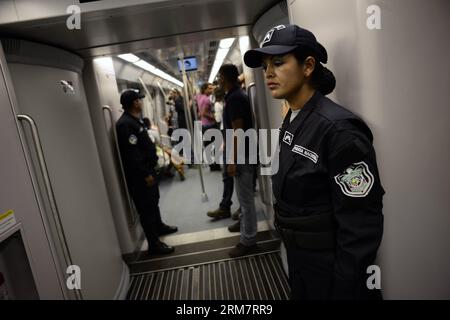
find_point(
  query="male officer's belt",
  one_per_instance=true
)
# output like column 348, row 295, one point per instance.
column 315, row 232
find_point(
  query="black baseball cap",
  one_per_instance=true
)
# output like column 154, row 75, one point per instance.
column 283, row 39
column 128, row 96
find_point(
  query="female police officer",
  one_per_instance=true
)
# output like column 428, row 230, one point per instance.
column 328, row 193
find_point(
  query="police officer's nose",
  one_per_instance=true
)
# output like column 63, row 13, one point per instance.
column 268, row 71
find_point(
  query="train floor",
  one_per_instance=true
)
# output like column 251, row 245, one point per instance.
column 181, row 201
column 182, row 206
column 200, row 268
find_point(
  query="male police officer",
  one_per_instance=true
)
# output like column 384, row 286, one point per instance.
column 139, row 160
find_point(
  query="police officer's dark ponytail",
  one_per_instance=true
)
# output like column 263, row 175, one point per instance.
column 322, row 78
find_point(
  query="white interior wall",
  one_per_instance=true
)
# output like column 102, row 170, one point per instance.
column 101, row 90
column 397, row 80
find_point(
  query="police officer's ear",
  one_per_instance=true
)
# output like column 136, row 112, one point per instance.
column 308, row 66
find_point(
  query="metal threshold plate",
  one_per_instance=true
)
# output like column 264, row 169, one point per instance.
column 257, row 277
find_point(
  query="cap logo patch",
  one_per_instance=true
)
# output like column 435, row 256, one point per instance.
column 288, row 137
column 132, row 139
column 279, row 27
column 269, row 34
column 268, row 37
column 311, row 155
column 356, row 181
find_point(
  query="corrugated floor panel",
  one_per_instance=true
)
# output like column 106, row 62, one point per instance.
column 258, row 277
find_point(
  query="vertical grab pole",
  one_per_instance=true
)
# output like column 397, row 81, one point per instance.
column 156, row 112
column 164, row 94
column 186, row 107
column 152, row 105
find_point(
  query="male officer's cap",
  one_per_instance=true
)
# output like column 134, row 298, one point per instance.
column 283, row 39
column 128, row 96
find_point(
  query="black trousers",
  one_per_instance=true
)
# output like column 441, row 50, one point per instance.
column 146, row 200
column 213, row 165
column 228, row 188
column 312, row 277
column 310, row 274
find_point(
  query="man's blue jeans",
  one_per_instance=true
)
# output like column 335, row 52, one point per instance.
column 244, row 190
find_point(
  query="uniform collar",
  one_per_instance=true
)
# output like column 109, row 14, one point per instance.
column 295, row 125
column 288, row 137
column 133, row 117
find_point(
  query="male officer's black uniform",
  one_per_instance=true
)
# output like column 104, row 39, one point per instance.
column 328, row 193
column 139, row 160
column 328, row 201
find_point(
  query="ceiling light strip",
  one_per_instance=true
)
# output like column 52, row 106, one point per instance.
column 129, row 57
column 222, row 52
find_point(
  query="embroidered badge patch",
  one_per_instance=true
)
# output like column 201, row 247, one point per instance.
column 132, row 139
column 288, row 137
column 311, row 155
column 356, row 181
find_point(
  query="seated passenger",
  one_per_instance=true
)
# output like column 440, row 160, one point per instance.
column 166, row 159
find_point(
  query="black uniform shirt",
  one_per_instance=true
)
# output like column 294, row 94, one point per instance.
column 137, row 150
column 328, row 165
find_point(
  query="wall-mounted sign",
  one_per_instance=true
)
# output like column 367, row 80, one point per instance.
column 7, row 220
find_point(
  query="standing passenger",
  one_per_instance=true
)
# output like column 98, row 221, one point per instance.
column 224, row 210
column 219, row 95
column 139, row 158
column 238, row 115
column 179, row 108
column 206, row 115
column 328, row 193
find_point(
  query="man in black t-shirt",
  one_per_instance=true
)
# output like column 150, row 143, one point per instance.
column 240, row 164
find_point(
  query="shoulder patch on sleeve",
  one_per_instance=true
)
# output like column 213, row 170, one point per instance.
column 132, row 139
column 356, row 181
